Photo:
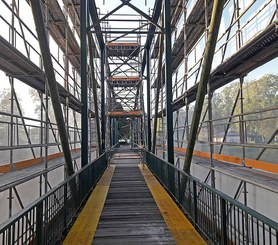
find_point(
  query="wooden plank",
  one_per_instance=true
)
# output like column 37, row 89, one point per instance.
column 180, row 227
column 83, row 230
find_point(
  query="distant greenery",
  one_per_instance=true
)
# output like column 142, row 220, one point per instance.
column 5, row 106
column 258, row 94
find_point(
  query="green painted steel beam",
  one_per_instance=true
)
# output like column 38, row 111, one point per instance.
column 84, row 82
column 149, row 131
column 168, row 76
column 204, row 79
column 51, row 82
column 102, row 97
column 159, row 70
column 94, row 89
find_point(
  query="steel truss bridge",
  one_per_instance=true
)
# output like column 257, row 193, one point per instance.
column 123, row 122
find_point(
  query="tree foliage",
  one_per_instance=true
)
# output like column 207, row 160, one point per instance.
column 5, row 120
column 258, row 95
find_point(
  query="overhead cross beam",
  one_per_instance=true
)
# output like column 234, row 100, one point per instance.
column 144, row 15
column 152, row 28
column 96, row 21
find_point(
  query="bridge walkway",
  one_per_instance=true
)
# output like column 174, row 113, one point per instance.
column 129, row 206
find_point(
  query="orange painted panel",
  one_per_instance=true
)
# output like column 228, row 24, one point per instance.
column 125, row 113
column 226, row 158
column 31, row 162
column 117, row 44
column 266, row 166
column 123, row 78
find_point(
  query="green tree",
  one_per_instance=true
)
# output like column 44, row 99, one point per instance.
column 260, row 94
column 5, row 129
column 222, row 104
column 37, row 101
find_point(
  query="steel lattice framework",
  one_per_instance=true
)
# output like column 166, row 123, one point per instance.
column 128, row 75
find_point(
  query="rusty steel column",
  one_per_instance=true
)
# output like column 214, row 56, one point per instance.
column 204, row 79
column 51, row 83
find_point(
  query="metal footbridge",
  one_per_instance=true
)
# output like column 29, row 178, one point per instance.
column 136, row 198
column 110, row 156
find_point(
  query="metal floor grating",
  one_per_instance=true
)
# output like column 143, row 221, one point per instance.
column 130, row 214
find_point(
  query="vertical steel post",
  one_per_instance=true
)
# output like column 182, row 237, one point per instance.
column 210, row 136
column 224, row 223
column 168, row 77
column 158, row 87
column 46, row 136
column 12, row 125
column 46, row 105
column 12, row 41
column 149, row 132
column 111, row 123
column 51, row 82
column 94, row 88
column 103, row 121
column 185, row 83
column 241, row 120
column 84, row 83
column 207, row 61
column 39, row 237
column 243, row 139
column 209, row 111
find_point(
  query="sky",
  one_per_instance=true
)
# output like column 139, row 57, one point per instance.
column 108, row 5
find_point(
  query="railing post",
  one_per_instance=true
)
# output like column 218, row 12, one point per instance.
column 79, row 189
column 195, row 204
column 171, row 179
column 224, row 232
column 39, row 224
column 179, row 187
column 91, row 181
column 65, row 204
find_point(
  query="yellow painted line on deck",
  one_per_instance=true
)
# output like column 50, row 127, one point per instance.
column 180, row 227
column 84, row 228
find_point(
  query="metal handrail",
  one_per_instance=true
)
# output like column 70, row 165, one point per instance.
column 220, row 218
column 45, row 220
